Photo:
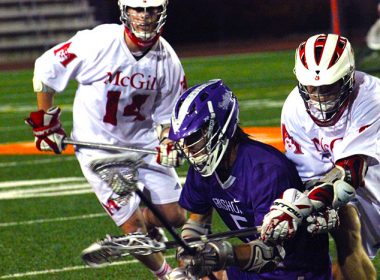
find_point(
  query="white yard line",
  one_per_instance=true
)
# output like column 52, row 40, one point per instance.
column 57, row 187
column 37, row 161
column 14, row 184
column 52, row 220
column 65, row 269
column 46, row 192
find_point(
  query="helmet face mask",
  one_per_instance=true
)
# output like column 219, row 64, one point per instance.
column 325, row 71
column 203, row 121
column 143, row 20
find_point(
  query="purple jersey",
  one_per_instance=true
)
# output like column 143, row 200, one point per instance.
column 260, row 174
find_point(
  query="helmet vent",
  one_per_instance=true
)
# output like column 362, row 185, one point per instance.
column 191, row 109
column 339, row 49
column 204, row 95
column 319, row 47
column 302, row 54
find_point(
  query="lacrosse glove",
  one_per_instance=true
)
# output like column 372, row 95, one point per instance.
column 209, row 257
column 323, row 222
column 47, row 130
column 168, row 155
column 285, row 215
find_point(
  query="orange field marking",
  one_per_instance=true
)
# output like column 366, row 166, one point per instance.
column 269, row 135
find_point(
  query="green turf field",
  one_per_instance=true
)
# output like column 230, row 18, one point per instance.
column 47, row 211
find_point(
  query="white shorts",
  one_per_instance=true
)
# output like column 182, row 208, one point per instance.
column 369, row 214
column 161, row 182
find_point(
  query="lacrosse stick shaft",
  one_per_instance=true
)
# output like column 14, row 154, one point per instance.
column 216, row 236
column 108, row 147
column 178, row 239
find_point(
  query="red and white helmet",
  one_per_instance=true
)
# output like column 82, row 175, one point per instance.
column 141, row 38
column 325, row 62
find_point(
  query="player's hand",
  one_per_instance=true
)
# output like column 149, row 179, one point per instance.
column 323, row 222
column 209, row 257
column 264, row 257
column 47, row 130
column 285, row 215
column 168, row 155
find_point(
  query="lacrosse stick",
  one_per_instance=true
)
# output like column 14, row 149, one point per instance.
column 110, row 170
column 113, row 248
column 109, row 147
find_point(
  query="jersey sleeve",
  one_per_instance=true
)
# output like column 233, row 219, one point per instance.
column 363, row 135
column 193, row 197
column 175, row 85
column 65, row 61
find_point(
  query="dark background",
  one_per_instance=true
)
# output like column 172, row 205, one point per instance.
column 210, row 21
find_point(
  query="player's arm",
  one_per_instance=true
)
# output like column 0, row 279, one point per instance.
column 255, row 256
column 339, row 185
column 197, row 225
column 45, row 122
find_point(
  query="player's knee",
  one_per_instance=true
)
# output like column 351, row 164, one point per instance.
column 180, row 217
column 175, row 214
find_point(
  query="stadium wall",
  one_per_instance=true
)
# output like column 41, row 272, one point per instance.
column 214, row 21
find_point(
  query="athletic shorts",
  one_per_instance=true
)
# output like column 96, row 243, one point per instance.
column 369, row 214
column 162, row 184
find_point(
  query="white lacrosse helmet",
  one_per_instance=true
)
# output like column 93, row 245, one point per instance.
column 325, row 63
column 143, row 38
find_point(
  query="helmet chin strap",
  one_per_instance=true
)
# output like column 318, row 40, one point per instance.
column 142, row 44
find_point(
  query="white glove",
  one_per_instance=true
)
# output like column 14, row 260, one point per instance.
column 167, row 155
column 285, row 216
column 323, row 222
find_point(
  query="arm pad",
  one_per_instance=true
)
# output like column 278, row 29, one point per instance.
column 338, row 186
column 193, row 229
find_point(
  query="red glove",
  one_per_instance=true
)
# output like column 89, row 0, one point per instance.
column 167, row 155
column 47, row 130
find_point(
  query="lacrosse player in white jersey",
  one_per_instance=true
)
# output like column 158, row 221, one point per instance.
column 128, row 80
column 331, row 131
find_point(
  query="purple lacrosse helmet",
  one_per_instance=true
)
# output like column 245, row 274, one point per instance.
column 204, row 119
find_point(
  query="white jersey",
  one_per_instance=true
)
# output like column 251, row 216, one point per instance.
column 315, row 149
column 119, row 99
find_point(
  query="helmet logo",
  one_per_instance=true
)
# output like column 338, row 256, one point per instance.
column 226, row 100
column 317, row 76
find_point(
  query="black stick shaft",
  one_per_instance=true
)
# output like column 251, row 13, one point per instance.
column 216, row 236
column 178, row 239
column 169, row 227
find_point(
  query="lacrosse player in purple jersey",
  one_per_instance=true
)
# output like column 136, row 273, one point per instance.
column 240, row 178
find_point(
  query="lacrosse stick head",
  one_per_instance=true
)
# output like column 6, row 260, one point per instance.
column 113, row 248
column 119, row 171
